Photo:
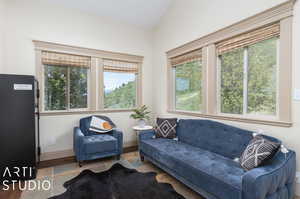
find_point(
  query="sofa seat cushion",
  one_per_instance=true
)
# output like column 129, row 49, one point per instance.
column 99, row 143
column 212, row 172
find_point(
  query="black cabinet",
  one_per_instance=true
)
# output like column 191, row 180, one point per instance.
column 18, row 149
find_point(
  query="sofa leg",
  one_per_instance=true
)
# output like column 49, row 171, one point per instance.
column 118, row 157
column 80, row 163
column 142, row 158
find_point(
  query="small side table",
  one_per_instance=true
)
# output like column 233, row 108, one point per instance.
column 140, row 129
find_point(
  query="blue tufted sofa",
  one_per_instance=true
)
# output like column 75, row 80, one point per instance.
column 203, row 159
column 89, row 145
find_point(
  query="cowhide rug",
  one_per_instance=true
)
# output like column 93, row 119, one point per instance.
column 117, row 183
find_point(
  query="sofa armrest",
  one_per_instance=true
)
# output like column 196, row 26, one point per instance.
column 146, row 135
column 77, row 142
column 275, row 180
column 118, row 134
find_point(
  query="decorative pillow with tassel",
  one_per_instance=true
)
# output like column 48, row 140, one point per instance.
column 258, row 151
column 166, row 128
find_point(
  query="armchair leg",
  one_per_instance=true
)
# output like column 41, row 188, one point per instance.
column 80, row 163
column 142, row 158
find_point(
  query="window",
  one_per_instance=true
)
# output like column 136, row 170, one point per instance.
column 74, row 79
column 187, row 70
column 120, row 90
column 57, row 84
column 253, row 69
column 242, row 73
column 55, row 88
column 78, row 88
column 262, row 77
column 188, row 79
column 248, row 74
column 120, row 84
column 65, row 81
column 232, row 82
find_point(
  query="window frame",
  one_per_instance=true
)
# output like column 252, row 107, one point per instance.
column 244, row 114
column 95, row 77
column 282, row 14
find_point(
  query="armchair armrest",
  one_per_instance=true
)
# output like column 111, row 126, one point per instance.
column 275, row 180
column 118, row 134
column 77, row 142
column 145, row 135
column 77, row 132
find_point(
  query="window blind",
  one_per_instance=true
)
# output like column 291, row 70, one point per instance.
column 61, row 59
column 249, row 38
column 195, row 55
column 120, row 66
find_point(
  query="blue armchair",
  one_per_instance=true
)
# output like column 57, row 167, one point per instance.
column 89, row 145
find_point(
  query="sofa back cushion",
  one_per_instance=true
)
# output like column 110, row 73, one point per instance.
column 214, row 136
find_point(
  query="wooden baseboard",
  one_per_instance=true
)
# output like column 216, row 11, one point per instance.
column 130, row 149
column 57, row 154
column 56, row 162
column 72, row 159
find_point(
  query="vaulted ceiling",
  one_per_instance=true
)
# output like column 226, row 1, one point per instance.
column 143, row 13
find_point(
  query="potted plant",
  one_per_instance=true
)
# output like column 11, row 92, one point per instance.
column 141, row 114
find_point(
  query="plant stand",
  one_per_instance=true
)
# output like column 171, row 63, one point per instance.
column 138, row 129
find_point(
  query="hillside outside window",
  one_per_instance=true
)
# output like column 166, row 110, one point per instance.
column 120, row 84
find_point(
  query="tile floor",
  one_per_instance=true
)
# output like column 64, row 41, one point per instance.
column 60, row 174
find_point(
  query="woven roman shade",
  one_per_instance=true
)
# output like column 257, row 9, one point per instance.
column 120, row 66
column 62, row 59
column 195, row 55
column 249, row 38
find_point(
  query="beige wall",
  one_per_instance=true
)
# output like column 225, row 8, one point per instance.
column 34, row 20
column 1, row 35
column 201, row 18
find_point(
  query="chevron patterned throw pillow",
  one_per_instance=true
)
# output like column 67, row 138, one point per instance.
column 257, row 152
column 166, row 128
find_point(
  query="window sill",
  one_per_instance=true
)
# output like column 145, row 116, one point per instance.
column 235, row 119
column 54, row 113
